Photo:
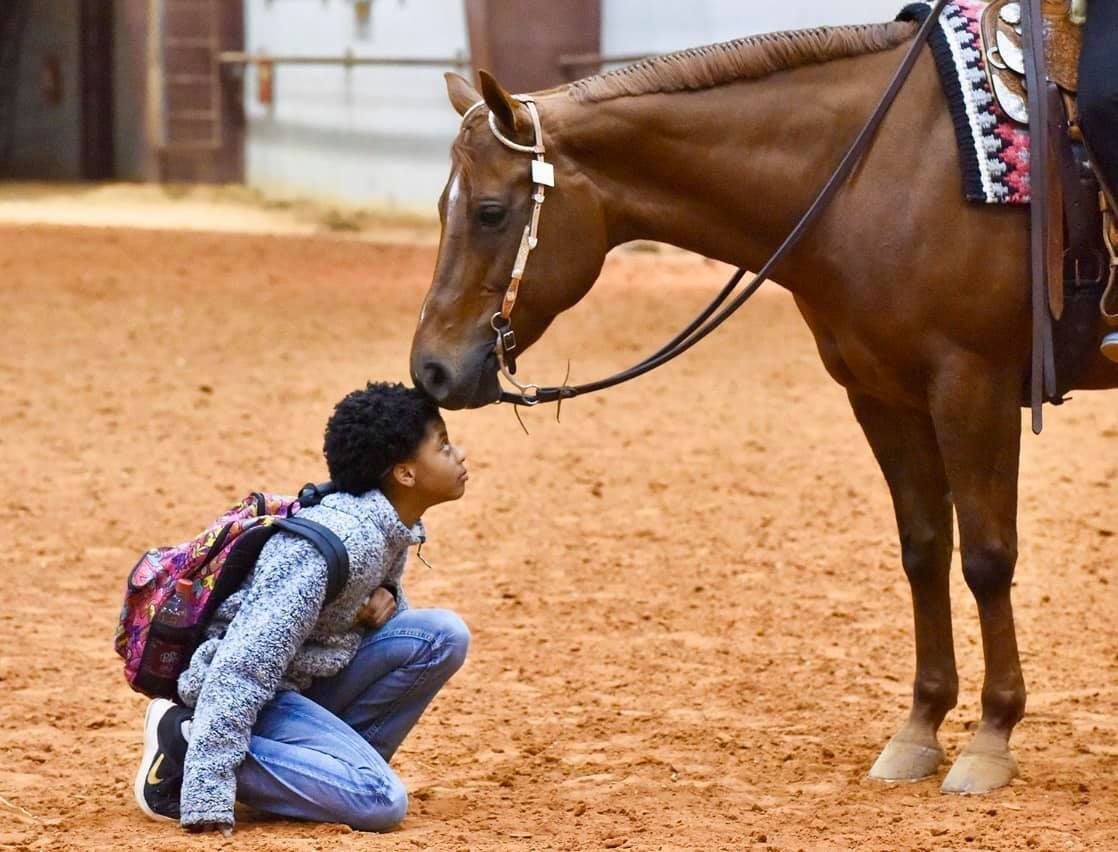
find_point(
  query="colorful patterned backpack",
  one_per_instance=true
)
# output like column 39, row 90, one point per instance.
column 214, row 564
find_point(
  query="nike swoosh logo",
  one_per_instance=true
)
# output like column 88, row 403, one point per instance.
column 153, row 773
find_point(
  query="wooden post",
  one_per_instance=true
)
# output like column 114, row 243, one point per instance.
column 520, row 41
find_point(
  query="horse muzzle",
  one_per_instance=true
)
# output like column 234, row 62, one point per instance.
column 456, row 385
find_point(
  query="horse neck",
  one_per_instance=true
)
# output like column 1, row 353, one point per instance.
column 726, row 171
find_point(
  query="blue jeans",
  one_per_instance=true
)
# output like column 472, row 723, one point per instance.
column 323, row 754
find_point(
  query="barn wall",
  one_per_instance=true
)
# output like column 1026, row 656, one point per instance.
column 381, row 136
column 47, row 143
column 664, row 25
column 377, row 135
column 134, row 158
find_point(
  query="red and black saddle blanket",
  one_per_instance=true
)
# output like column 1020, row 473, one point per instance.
column 993, row 148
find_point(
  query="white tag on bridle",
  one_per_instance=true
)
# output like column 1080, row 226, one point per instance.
column 543, row 173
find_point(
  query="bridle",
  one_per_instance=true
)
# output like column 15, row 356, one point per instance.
column 543, row 175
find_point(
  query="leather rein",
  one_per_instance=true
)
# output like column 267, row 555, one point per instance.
column 543, row 177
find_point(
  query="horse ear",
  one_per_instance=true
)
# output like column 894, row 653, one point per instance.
column 500, row 102
column 462, row 95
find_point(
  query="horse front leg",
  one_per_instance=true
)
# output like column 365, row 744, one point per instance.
column 904, row 443
column 978, row 424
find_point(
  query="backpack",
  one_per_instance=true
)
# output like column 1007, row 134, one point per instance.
column 216, row 562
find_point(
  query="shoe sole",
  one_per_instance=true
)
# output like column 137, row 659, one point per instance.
column 156, row 710
column 1109, row 347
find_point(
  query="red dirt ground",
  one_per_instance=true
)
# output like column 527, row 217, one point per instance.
column 691, row 629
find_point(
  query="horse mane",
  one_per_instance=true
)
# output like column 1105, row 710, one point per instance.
column 745, row 58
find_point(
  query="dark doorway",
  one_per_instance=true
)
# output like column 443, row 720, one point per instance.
column 96, row 75
column 13, row 18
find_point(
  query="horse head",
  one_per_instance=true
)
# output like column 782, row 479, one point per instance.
column 487, row 205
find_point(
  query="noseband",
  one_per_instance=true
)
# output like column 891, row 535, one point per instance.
column 543, row 175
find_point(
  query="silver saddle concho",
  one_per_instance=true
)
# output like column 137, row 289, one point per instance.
column 1004, row 55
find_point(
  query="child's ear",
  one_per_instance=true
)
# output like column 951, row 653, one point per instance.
column 404, row 474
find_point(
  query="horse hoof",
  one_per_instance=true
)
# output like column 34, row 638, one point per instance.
column 902, row 760
column 980, row 773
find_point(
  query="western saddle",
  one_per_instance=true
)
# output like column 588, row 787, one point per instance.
column 1075, row 209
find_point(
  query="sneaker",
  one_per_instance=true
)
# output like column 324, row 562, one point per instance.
column 159, row 779
column 1109, row 346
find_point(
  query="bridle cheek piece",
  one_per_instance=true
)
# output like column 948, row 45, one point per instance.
column 543, row 176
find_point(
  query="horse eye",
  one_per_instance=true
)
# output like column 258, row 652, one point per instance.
column 491, row 215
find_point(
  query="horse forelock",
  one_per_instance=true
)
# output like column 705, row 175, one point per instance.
column 461, row 157
column 745, row 58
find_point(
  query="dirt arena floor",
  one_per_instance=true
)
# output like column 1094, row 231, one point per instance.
column 690, row 625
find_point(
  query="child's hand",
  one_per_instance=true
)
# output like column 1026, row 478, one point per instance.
column 225, row 829
column 380, row 607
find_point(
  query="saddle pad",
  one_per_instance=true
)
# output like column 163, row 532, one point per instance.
column 994, row 151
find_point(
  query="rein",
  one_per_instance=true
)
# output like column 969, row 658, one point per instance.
column 543, row 176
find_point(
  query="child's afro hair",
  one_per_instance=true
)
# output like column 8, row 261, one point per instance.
column 373, row 429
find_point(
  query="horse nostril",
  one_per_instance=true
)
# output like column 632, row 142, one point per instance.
column 435, row 379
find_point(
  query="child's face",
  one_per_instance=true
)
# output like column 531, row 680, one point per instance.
column 440, row 469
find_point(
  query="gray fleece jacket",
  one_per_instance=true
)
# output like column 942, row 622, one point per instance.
column 274, row 634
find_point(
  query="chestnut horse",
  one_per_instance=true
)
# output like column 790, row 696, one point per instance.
column 918, row 301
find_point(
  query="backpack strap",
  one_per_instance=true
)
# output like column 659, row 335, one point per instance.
column 312, row 494
column 328, row 543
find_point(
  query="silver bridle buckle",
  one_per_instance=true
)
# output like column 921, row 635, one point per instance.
column 506, row 337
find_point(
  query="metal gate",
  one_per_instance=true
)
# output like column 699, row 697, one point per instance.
column 201, row 123
column 191, row 93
